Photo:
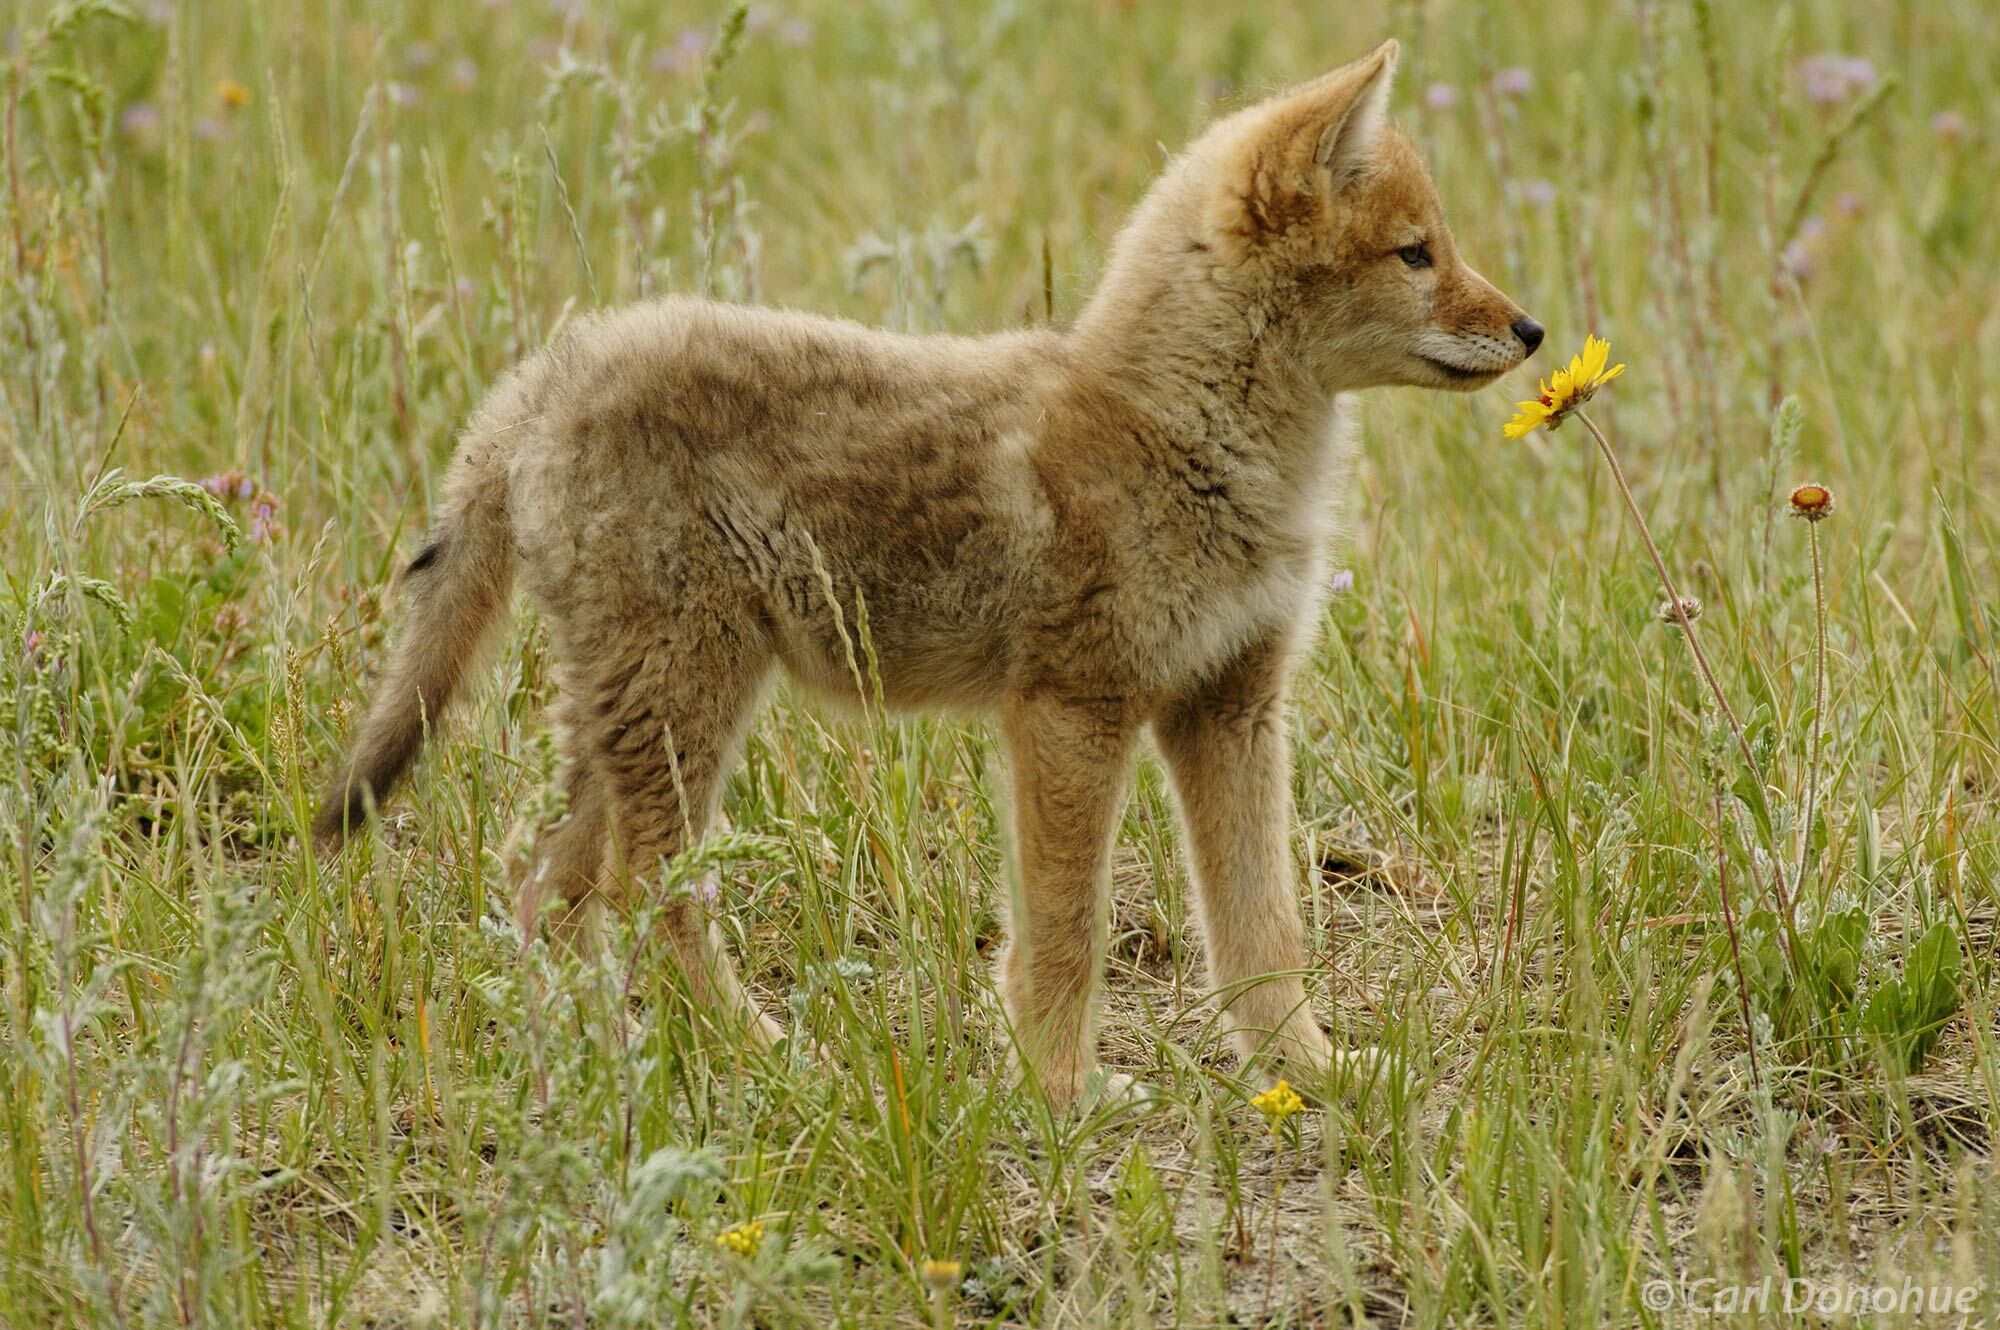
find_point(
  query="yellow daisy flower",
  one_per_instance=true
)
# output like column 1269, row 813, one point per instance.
column 743, row 1239
column 234, row 96
column 1565, row 390
column 1278, row 1103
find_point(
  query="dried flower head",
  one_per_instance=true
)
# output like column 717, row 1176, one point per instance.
column 1674, row 613
column 1278, row 1103
column 1812, row 501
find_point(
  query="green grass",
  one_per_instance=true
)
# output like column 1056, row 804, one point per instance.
column 244, row 1087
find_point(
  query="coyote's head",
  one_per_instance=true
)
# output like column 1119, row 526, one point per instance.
column 1314, row 218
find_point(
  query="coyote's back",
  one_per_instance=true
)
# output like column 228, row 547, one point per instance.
column 818, row 463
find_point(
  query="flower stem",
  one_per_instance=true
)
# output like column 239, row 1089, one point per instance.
column 1735, row 939
column 1277, row 1201
column 1816, row 746
column 1706, row 670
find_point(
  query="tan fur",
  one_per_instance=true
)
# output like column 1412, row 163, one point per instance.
column 1091, row 532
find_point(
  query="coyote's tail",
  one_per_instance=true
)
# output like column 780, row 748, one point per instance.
column 454, row 596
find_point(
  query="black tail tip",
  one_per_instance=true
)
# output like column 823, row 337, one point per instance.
column 345, row 811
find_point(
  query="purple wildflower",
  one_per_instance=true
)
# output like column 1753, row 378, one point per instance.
column 264, row 523
column 685, row 55
column 1441, row 97
column 1830, row 78
column 139, row 119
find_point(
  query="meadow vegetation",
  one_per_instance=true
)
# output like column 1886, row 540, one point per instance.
column 1661, row 990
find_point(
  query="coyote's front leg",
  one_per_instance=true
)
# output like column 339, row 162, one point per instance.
column 1229, row 754
column 1070, row 761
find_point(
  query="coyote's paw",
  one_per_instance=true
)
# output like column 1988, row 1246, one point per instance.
column 1321, row 1073
column 1351, row 864
column 764, row 1033
column 1337, row 1075
column 1105, row 1091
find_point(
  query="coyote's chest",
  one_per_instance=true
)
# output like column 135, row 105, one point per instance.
column 1189, row 631
column 1236, row 557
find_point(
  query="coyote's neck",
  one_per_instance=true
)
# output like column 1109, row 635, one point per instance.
column 1226, row 463
column 1220, row 384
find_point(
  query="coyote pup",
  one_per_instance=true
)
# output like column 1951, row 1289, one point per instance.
column 1089, row 533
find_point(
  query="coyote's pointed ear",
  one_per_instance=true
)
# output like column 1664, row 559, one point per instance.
column 1356, row 107
column 1275, row 178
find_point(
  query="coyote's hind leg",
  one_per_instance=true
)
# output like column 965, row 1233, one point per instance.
column 661, row 716
column 565, row 865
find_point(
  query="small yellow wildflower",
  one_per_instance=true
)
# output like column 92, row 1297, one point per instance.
column 941, row 1275
column 1565, row 390
column 1278, row 1103
column 743, row 1239
column 233, row 95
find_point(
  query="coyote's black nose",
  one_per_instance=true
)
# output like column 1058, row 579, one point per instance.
column 1529, row 332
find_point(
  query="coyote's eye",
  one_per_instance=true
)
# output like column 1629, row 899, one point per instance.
column 1417, row 255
